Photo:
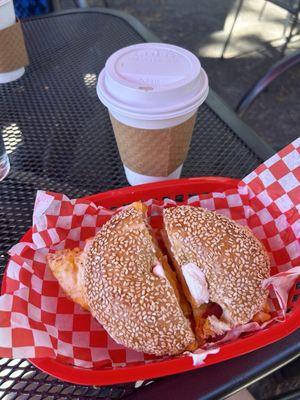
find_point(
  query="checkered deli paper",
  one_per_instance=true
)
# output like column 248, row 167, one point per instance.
column 38, row 320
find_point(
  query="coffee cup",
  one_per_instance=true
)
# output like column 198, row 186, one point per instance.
column 152, row 92
column 7, row 19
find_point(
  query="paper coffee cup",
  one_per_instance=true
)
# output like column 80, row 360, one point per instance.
column 8, row 18
column 152, row 92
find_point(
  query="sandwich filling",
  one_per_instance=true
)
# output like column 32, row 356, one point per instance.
column 67, row 267
column 196, row 283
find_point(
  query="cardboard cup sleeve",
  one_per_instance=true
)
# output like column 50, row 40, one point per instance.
column 13, row 53
column 153, row 152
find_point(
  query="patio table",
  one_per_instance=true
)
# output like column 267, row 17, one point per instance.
column 59, row 138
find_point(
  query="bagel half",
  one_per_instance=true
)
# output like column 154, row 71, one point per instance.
column 128, row 290
column 217, row 261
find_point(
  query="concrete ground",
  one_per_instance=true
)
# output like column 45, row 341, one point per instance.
column 202, row 27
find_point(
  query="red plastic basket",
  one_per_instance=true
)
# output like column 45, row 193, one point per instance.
column 179, row 190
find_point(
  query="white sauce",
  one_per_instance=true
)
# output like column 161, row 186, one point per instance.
column 158, row 270
column 196, row 282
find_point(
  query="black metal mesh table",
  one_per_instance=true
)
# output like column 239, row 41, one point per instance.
column 59, row 138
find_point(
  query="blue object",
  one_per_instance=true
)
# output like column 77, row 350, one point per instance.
column 27, row 8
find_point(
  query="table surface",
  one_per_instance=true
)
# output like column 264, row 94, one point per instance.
column 59, row 138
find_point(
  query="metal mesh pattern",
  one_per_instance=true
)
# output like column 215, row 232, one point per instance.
column 21, row 381
column 59, row 138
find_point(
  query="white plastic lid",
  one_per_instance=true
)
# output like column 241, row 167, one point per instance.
column 152, row 81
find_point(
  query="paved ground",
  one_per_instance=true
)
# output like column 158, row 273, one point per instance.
column 202, row 26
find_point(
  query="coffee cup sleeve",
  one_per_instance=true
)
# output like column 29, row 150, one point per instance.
column 13, row 53
column 155, row 152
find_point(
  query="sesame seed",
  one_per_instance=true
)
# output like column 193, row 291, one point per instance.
column 231, row 257
column 137, row 308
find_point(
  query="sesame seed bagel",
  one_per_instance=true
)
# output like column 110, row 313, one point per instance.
column 137, row 308
column 232, row 260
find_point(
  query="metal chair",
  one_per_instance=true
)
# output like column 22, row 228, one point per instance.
column 86, row 3
column 276, row 70
column 291, row 6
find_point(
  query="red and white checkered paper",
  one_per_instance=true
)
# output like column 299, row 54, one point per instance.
column 38, row 320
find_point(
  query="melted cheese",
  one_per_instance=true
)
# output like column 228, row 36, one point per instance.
column 67, row 267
